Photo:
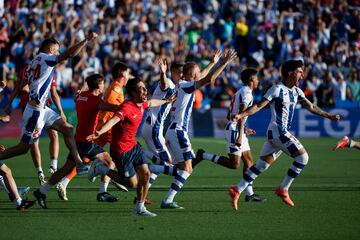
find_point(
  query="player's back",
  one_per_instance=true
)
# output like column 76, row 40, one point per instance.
column 39, row 75
column 159, row 114
column 283, row 101
column 87, row 111
column 182, row 107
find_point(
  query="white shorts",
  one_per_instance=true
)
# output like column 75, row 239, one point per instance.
column 155, row 142
column 34, row 120
column 179, row 145
column 231, row 135
column 276, row 143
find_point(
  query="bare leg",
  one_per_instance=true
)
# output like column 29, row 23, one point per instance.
column 35, row 154
column 19, row 149
column 54, row 144
column 143, row 186
column 9, row 181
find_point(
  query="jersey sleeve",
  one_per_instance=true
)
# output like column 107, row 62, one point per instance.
column 115, row 92
column 121, row 113
column 51, row 60
column 271, row 93
column 247, row 98
column 301, row 94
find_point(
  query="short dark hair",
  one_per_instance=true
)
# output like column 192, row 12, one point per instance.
column 47, row 43
column 290, row 66
column 188, row 67
column 176, row 65
column 118, row 69
column 131, row 85
column 93, row 81
column 247, row 74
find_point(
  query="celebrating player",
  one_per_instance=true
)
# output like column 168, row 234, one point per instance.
column 282, row 98
column 237, row 142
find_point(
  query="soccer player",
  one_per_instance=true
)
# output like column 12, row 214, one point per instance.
column 37, row 114
column 88, row 104
column 237, row 142
column 114, row 95
column 127, row 154
column 177, row 133
column 22, row 86
column 347, row 142
column 282, row 98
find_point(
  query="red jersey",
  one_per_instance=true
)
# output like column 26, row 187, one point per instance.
column 87, row 111
column 124, row 132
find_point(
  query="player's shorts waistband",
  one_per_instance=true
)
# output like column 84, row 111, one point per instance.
column 38, row 107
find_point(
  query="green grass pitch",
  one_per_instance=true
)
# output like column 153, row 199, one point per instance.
column 326, row 197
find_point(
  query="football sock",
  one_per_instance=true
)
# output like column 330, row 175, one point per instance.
column 295, row 169
column 212, row 157
column 17, row 202
column 166, row 169
column 152, row 179
column 39, row 169
column 351, row 143
column 140, row 205
column 53, row 163
column 103, row 186
column 253, row 172
column 45, row 188
column 176, row 185
column 72, row 174
column 64, row 181
column 249, row 190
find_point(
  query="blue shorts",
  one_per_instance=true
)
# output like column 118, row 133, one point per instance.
column 127, row 162
column 87, row 149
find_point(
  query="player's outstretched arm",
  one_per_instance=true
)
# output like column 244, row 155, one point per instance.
column 251, row 110
column 106, row 127
column 214, row 73
column 159, row 102
column 215, row 58
column 75, row 50
column 318, row 111
column 164, row 84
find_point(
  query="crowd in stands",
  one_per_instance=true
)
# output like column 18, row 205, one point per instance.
column 324, row 33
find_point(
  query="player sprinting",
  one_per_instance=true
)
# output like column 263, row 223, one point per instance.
column 282, row 98
column 127, row 154
column 237, row 142
column 22, row 89
column 346, row 142
column 36, row 114
column 177, row 133
column 88, row 104
column 114, row 95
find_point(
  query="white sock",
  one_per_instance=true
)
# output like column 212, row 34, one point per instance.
column 17, row 202
column 212, row 157
column 140, row 206
column 249, row 190
column 103, row 186
column 65, row 181
column 152, row 179
column 39, row 169
column 176, row 185
column 351, row 143
column 44, row 189
column 294, row 170
column 54, row 163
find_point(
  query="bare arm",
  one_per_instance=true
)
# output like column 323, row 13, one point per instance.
column 318, row 111
column 210, row 78
column 75, row 50
column 164, row 84
column 56, row 99
column 159, row 102
column 251, row 110
column 106, row 127
column 212, row 63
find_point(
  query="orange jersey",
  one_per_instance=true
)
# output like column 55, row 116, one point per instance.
column 114, row 94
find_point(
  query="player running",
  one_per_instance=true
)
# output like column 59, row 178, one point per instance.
column 282, row 98
column 127, row 154
column 88, row 104
column 237, row 142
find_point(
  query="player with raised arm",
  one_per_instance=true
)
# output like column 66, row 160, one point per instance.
column 127, row 154
column 237, row 142
column 177, row 134
column 114, row 95
column 22, row 89
column 282, row 98
column 88, row 105
column 37, row 115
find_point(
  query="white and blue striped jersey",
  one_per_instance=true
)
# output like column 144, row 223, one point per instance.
column 159, row 114
column 282, row 103
column 242, row 96
column 39, row 75
column 182, row 107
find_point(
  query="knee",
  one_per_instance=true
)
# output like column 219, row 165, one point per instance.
column 24, row 148
column 68, row 130
column 5, row 170
column 303, row 158
column 132, row 183
column 235, row 164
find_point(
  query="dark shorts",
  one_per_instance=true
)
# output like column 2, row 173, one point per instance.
column 87, row 149
column 126, row 163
